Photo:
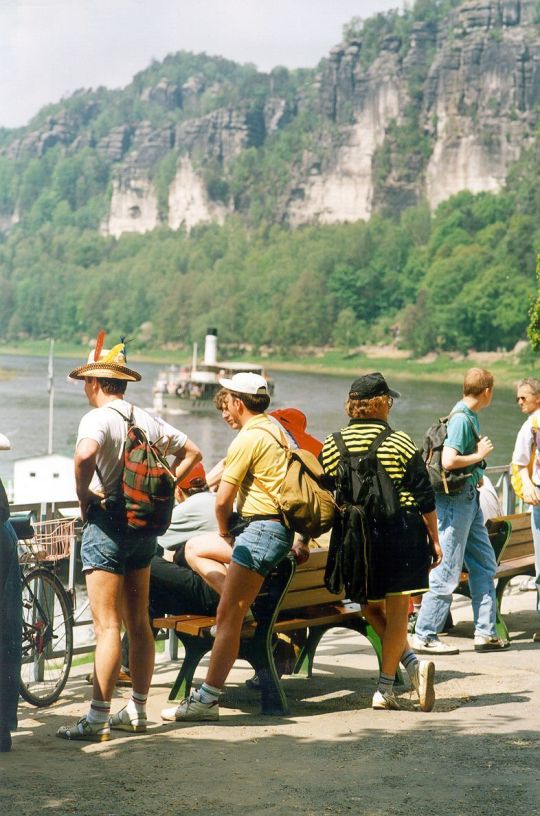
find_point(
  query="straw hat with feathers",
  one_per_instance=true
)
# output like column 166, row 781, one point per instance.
column 106, row 363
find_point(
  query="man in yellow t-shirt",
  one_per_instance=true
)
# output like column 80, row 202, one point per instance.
column 255, row 467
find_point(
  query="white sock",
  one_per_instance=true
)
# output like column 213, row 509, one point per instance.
column 137, row 703
column 208, row 694
column 99, row 711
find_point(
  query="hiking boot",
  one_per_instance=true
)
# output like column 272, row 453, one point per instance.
column 124, row 721
column 385, row 701
column 432, row 646
column 84, row 730
column 483, row 643
column 422, row 683
column 192, row 709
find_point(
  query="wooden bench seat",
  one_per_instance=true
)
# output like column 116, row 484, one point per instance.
column 512, row 541
column 292, row 599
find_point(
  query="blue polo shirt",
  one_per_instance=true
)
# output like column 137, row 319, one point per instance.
column 461, row 436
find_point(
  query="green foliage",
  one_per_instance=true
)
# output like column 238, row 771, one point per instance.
column 533, row 329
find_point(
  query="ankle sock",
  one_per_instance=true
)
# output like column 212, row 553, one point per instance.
column 99, row 711
column 386, row 683
column 137, row 704
column 208, row 694
column 409, row 661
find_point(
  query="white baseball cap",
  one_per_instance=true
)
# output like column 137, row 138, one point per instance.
column 246, row 382
column 5, row 444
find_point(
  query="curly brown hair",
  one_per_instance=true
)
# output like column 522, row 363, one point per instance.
column 368, row 408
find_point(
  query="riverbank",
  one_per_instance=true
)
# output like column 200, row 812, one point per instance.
column 508, row 367
column 475, row 754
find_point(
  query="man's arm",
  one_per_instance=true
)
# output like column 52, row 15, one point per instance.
column 85, row 466
column 186, row 460
column 224, row 507
column 452, row 459
column 531, row 494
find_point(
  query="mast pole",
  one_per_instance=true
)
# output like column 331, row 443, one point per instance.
column 50, row 389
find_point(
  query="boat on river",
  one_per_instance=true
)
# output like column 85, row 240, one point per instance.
column 191, row 389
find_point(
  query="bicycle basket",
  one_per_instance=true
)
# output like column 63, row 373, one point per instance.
column 52, row 541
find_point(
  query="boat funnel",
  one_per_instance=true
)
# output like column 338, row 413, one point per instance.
column 210, row 347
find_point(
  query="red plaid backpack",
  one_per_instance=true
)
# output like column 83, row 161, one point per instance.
column 147, row 482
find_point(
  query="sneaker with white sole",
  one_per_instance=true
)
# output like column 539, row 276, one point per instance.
column 422, row 682
column 483, row 643
column 192, row 709
column 385, row 701
column 124, row 721
column 432, row 646
column 84, row 730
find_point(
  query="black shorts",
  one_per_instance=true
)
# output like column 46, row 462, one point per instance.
column 398, row 558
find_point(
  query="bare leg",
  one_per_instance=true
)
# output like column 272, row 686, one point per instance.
column 239, row 591
column 141, row 641
column 208, row 556
column 394, row 641
column 104, row 594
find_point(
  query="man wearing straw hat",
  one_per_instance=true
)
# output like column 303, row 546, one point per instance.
column 116, row 562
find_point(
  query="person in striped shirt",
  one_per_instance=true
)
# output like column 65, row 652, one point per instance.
column 401, row 552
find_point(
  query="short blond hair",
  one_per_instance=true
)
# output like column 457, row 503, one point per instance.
column 476, row 381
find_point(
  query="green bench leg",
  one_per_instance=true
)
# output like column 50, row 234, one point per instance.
column 500, row 626
column 259, row 653
column 304, row 663
column 195, row 648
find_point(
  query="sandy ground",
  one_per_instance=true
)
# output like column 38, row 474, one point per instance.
column 477, row 753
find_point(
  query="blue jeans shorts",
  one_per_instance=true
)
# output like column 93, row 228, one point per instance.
column 104, row 548
column 262, row 545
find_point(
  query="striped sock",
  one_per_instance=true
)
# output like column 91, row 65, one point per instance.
column 99, row 711
column 409, row 661
column 137, row 703
column 386, row 683
column 208, row 694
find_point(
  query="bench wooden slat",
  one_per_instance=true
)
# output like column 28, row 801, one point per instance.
column 307, row 580
column 319, row 616
column 310, row 597
column 514, row 566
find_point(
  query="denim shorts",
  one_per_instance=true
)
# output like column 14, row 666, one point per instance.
column 262, row 545
column 104, row 548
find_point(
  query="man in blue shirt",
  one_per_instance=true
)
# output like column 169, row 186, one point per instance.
column 462, row 533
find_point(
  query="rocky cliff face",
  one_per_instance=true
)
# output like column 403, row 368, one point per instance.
column 449, row 107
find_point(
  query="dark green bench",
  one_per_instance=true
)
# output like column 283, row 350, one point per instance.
column 293, row 599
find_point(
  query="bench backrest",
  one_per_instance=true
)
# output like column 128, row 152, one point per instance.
column 520, row 543
column 307, row 586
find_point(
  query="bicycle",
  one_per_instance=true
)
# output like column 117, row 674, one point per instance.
column 47, row 636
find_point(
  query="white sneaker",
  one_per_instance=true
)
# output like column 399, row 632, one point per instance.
column 422, row 682
column 432, row 646
column 192, row 709
column 483, row 643
column 385, row 701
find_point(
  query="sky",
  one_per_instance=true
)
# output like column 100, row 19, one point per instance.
column 50, row 48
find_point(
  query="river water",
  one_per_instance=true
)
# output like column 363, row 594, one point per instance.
column 24, row 406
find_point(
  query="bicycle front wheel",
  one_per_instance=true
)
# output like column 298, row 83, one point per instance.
column 47, row 639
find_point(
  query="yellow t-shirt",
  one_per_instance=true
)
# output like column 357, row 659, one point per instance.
column 254, row 455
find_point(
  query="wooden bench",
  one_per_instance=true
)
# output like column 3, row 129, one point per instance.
column 512, row 541
column 292, row 599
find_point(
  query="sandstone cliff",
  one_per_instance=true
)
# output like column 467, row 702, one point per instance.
column 447, row 106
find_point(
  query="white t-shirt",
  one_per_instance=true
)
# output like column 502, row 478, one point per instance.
column 524, row 445
column 106, row 427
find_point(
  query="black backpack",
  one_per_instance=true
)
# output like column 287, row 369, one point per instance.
column 444, row 481
column 366, row 497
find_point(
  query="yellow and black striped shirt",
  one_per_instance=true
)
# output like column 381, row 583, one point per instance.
column 397, row 454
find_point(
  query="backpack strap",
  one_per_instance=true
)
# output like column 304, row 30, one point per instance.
column 377, row 442
column 130, row 421
column 343, row 450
